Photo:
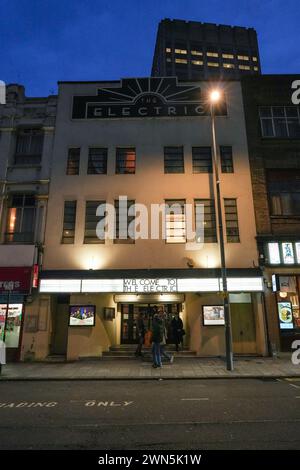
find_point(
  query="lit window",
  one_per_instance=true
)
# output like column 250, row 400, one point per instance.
column 297, row 245
column 228, row 56
column 125, row 160
column 213, row 64
column 180, row 51
column 194, row 52
column 212, row 54
column 175, row 221
column 255, row 68
column 21, row 219
column 288, row 253
column 197, row 62
column 180, row 61
column 244, row 67
column 168, row 49
column 254, row 59
column 228, row 66
column 243, row 57
column 274, row 255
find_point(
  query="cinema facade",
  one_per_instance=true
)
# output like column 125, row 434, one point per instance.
column 110, row 140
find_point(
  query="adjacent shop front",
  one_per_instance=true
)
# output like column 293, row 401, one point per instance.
column 94, row 310
column 15, row 284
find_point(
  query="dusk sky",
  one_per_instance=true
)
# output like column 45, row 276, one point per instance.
column 46, row 41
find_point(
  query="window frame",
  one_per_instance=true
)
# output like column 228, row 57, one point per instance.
column 166, row 160
column 118, row 161
column 73, row 230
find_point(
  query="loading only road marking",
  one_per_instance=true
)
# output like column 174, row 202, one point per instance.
column 92, row 403
column 52, row 404
column 24, row 404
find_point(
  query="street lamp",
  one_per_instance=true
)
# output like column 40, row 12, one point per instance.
column 214, row 97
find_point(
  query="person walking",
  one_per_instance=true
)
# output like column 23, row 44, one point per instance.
column 163, row 352
column 157, row 337
column 178, row 331
column 141, row 331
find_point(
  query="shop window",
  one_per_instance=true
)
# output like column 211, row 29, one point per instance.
column 226, row 159
column 202, row 160
column 73, row 161
column 91, row 221
column 283, row 252
column 68, row 234
column 175, row 221
column 210, row 234
column 97, row 162
column 29, row 147
column 124, row 221
column 231, row 219
column 125, row 160
column 174, row 159
column 21, row 219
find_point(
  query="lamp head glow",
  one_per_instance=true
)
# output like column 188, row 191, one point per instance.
column 215, row 96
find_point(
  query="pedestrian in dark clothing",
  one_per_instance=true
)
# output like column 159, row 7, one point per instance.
column 177, row 331
column 141, row 330
column 163, row 352
column 157, row 337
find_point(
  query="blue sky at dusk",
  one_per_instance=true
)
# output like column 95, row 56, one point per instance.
column 46, row 41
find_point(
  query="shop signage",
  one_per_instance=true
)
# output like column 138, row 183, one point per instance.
column 285, row 314
column 15, row 280
column 144, row 97
column 283, row 283
column 150, row 285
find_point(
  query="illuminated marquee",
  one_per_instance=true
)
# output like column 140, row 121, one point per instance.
column 144, row 97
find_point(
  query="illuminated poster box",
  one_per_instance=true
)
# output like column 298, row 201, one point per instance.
column 213, row 315
column 82, row 315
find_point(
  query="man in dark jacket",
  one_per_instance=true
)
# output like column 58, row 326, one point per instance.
column 177, row 330
column 141, row 330
column 157, row 337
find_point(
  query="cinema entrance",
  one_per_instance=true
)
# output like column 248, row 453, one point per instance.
column 130, row 313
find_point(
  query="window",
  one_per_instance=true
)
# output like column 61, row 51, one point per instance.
column 168, row 50
column 174, row 160
column 213, row 64
column 197, row 62
column 210, row 234
column 231, row 219
column 243, row 57
column 68, row 234
column 97, row 163
column 73, row 161
column 226, row 159
column 280, row 121
column 180, row 61
column 180, row 51
column 228, row 56
column 29, row 147
column 196, row 52
column 122, row 222
column 91, row 221
column 255, row 69
column 212, row 54
column 228, row 66
column 125, row 160
column 254, row 59
column 244, row 67
column 202, row 160
column 284, row 192
column 283, row 252
column 21, row 219
column 175, row 221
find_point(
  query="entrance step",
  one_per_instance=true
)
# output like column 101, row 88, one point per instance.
column 55, row 358
column 127, row 351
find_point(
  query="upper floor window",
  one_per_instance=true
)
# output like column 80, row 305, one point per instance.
column 231, row 220
column 68, row 235
column 91, row 222
column 175, row 221
column 73, row 162
column 244, row 67
column 227, row 56
column 196, row 52
column 212, row 54
column 174, row 159
column 180, row 50
column 21, row 219
column 228, row 66
column 243, row 57
column 213, row 64
column 202, row 161
column 280, row 121
column 125, row 215
column 97, row 163
column 29, row 146
column 209, row 219
column 181, row 61
column 226, row 159
column 284, row 191
column 197, row 62
column 125, row 160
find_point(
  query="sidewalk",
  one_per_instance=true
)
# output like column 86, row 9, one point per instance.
column 193, row 368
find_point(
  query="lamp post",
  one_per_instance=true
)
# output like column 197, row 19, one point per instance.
column 215, row 97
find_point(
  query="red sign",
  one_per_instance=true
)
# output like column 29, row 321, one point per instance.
column 15, row 280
